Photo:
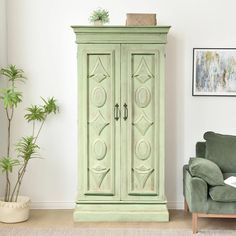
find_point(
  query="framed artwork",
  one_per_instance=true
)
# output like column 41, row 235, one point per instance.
column 214, row 72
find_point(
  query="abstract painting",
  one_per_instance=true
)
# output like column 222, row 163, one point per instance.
column 214, row 72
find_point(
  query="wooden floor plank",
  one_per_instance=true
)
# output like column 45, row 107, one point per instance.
column 179, row 219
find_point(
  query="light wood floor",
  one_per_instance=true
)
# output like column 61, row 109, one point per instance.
column 63, row 219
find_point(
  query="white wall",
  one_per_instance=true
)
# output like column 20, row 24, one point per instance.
column 3, row 33
column 41, row 41
column 3, row 61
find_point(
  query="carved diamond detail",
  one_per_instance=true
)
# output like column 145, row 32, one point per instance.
column 98, row 123
column 99, row 173
column 142, row 124
column 143, row 73
column 99, row 72
column 142, row 174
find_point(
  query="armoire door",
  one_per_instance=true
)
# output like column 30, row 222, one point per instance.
column 99, row 123
column 142, row 122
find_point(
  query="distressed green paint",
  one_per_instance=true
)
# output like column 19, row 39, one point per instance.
column 141, row 90
column 99, row 158
column 121, row 162
column 121, row 212
column 121, row 34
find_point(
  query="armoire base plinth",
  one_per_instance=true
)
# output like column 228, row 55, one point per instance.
column 121, row 212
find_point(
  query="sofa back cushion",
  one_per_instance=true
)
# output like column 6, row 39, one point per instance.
column 201, row 149
column 227, row 175
column 221, row 149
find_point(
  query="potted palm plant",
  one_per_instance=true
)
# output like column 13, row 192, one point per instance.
column 99, row 17
column 13, row 207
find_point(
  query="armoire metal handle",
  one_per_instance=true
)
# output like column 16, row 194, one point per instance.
column 125, row 111
column 116, row 112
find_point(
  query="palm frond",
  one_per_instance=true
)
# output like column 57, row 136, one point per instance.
column 35, row 113
column 7, row 164
column 11, row 98
column 13, row 73
column 50, row 105
column 27, row 148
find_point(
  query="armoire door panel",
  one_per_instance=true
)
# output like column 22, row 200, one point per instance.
column 141, row 92
column 100, row 158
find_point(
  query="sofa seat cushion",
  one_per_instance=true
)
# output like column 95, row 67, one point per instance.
column 223, row 193
column 214, row 207
column 206, row 170
column 221, row 149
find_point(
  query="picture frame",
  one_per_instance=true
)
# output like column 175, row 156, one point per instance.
column 214, row 72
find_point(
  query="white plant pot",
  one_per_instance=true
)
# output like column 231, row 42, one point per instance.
column 14, row 212
column 98, row 23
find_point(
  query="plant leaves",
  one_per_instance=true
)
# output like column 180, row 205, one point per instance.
column 7, row 164
column 13, row 73
column 35, row 113
column 99, row 15
column 50, row 105
column 27, row 148
column 10, row 98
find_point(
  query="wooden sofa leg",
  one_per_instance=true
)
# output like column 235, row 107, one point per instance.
column 186, row 205
column 194, row 222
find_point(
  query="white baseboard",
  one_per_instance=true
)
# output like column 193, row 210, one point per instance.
column 52, row 205
column 175, row 205
column 71, row 205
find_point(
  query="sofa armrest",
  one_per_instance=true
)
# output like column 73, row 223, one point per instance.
column 195, row 191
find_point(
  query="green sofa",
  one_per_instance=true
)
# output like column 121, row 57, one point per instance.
column 205, row 193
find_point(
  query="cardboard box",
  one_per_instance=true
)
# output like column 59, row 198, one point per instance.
column 140, row 19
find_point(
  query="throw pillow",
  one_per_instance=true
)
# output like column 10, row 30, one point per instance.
column 206, row 170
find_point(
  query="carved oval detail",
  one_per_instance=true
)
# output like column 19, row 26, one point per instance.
column 143, row 149
column 99, row 96
column 142, row 97
column 100, row 149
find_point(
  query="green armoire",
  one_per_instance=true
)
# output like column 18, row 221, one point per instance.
column 121, row 73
